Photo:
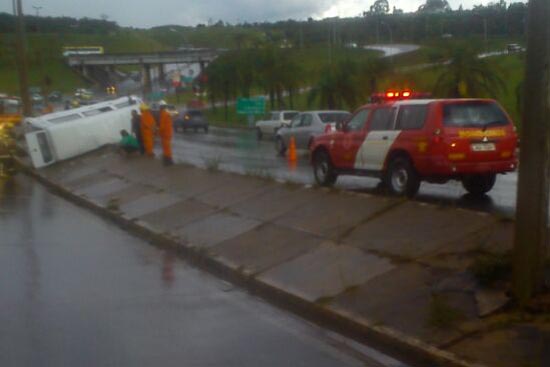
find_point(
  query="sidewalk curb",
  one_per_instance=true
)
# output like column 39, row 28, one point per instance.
column 380, row 337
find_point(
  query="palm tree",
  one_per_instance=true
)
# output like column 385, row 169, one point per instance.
column 337, row 87
column 221, row 81
column 467, row 75
column 370, row 73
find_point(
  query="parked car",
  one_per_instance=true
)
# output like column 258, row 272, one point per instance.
column 36, row 99
column 404, row 141
column 83, row 94
column 191, row 119
column 55, row 96
column 276, row 120
column 306, row 126
column 513, row 47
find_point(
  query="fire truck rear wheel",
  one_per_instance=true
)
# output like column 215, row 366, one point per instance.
column 401, row 178
column 479, row 184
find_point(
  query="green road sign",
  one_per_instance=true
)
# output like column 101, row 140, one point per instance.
column 251, row 106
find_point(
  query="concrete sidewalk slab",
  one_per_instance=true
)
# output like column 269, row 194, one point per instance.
column 215, row 228
column 264, row 247
column 83, row 182
column 326, row 271
column 401, row 299
column 63, row 174
column 418, row 229
column 125, row 195
column 136, row 168
column 190, row 182
column 270, row 204
column 104, row 187
column 497, row 238
column 178, row 215
column 235, row 189
column 148, row 204
column 332, row 215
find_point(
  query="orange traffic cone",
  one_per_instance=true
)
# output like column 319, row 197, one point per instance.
column 292, row 150
column 292, row 157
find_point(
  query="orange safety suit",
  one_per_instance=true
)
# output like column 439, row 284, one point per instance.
column 148, row 131
column 166, row 132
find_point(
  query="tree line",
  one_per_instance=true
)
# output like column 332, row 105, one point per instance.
column 344, row 83
column 379, row 23
column 36, row 24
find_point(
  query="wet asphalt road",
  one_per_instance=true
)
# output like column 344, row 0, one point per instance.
column 238, row 151
column 78, row 291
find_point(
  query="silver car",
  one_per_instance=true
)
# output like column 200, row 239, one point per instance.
column 305, row 126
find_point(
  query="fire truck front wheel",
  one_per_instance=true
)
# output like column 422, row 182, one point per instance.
column 323, row 169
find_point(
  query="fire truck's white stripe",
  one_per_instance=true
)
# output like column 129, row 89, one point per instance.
column 372, row 153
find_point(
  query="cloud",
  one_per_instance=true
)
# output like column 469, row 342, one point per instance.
column 191, row 12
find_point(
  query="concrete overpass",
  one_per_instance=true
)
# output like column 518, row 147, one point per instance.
column 148, row 60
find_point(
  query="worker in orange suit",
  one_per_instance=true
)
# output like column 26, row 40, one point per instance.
column 166, row 131
column 147, row 130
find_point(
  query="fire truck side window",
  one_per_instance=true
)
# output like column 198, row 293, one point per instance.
column 411, row 117
column 382, row 119
column 358, row 121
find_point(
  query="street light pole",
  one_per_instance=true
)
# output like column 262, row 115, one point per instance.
column 21, row 53
column 531, row 235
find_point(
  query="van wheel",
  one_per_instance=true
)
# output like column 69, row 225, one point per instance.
column 401, row 177
column 280, row 146
column 323, row 170
column 259, row 134
column 479, row 184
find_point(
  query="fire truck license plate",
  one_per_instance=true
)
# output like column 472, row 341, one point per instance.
column 483, row 147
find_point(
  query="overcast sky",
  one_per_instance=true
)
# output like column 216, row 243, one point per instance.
column 143, row 14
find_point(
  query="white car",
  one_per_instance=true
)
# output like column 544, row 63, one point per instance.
column 277, row 120
column 306, row 126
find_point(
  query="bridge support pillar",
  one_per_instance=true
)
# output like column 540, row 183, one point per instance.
column 147, row 86
column 85, row 71
column 162, row 74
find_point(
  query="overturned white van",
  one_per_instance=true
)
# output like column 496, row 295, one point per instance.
column 66, row 134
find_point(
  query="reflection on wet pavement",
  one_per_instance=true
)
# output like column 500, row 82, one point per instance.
column 78, row 291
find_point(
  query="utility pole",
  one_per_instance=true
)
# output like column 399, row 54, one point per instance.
column 531, row 236
column 21, row 45
column 485, row 33
column 329, row 44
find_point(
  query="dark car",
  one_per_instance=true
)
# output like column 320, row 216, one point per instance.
column 191, row 119
column 55, row 96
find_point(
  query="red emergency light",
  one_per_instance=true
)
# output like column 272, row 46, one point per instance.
column 397, row 95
